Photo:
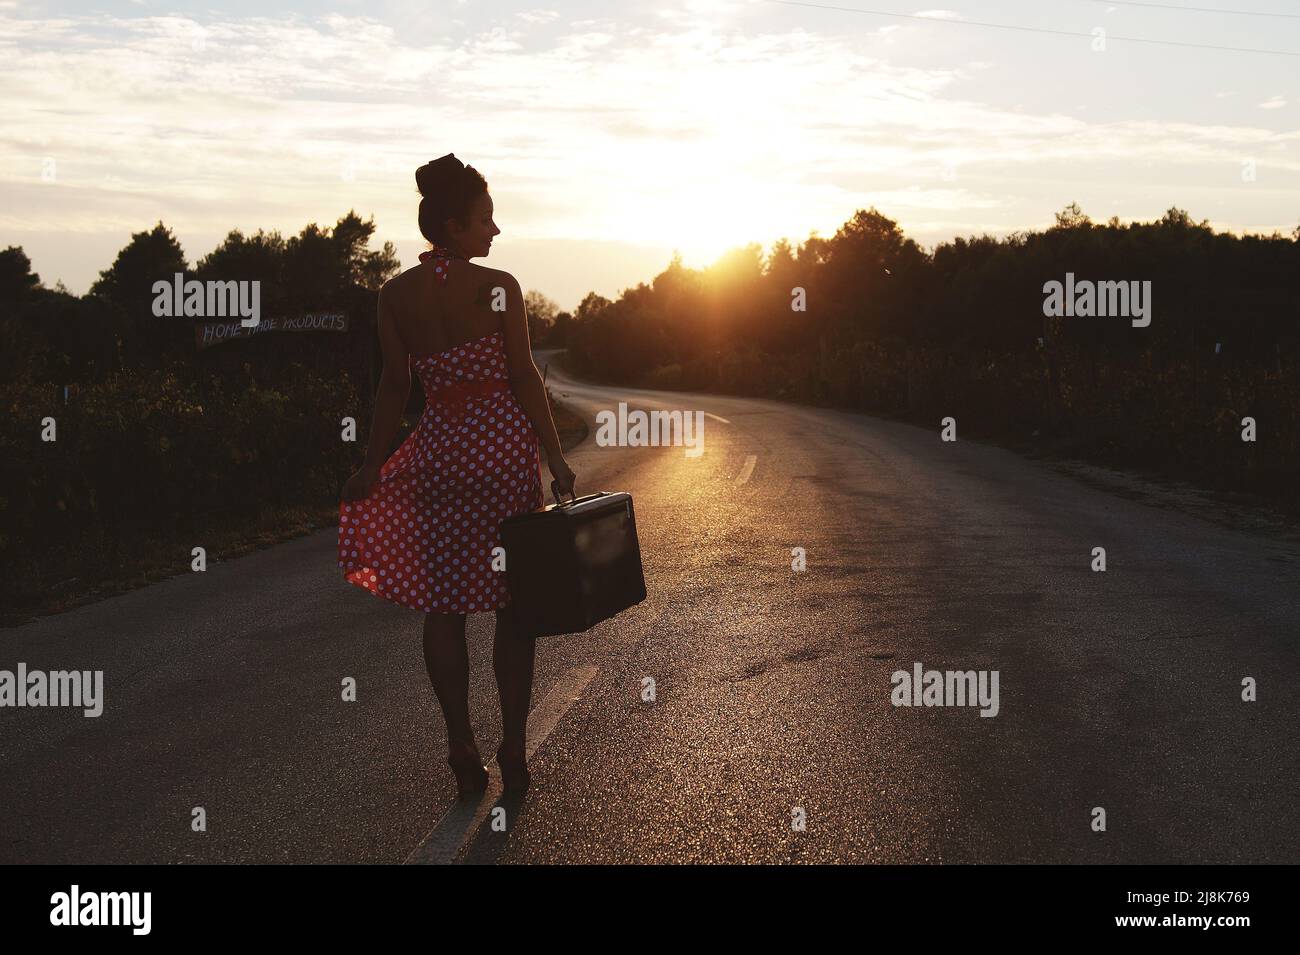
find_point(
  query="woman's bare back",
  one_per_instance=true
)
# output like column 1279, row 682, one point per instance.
column 434, row 316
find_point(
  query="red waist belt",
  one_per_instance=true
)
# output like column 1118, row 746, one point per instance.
column 453, row 397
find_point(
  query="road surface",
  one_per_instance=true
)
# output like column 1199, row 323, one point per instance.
column 772, row 736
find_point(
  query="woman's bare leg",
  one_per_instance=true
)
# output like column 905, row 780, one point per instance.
column 512, row 660
column 447, row 661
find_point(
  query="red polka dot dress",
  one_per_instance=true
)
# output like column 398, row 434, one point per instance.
column 424, row 538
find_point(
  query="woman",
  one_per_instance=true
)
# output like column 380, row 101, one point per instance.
column 420, row 528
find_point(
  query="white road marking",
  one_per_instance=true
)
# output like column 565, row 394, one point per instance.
column 459, row 824
column 747, row 470
column 710, row 414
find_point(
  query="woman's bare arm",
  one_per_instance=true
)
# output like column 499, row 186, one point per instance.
column 525, row 380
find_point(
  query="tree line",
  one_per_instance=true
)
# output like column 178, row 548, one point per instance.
column 868, row 320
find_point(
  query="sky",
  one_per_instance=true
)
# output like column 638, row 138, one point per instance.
column 613, row 134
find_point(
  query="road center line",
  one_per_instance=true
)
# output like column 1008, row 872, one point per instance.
column 462, row 820
column 747, row 470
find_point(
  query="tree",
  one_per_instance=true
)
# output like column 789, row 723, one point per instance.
column 590, row 306
column 863, row 276
column 1072, row 217
column 541, row 314
column 369, row 269
column 147, row 258
column 260, row 257
column 49, row 334
column 1179, row 219
column 540, row 306
column 17, row 280
column 256, row 258
column 127, row 288
column 558, row 334
column 322, row 264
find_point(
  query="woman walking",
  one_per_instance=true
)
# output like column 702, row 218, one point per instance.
column 419, row 528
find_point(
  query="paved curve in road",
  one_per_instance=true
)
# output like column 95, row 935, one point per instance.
column 1119, row 690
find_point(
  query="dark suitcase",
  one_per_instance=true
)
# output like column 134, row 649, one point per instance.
column 573, row 563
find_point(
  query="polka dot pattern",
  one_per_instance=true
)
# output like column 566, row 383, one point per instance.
column 424, row 537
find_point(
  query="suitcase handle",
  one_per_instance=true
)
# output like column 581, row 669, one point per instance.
column 555, row 492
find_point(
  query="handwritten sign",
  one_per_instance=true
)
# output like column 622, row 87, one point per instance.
column 207, row 334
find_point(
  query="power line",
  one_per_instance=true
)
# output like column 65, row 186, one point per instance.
column 1024, row 29
column 1178, row 7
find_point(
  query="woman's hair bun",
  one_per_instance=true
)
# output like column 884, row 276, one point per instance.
column 449, row 189
column 438, row 175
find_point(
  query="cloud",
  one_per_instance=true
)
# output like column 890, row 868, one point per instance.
column 607, row 131
column 538, row 16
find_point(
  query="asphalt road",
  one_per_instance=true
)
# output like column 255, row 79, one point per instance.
column 1120, row 690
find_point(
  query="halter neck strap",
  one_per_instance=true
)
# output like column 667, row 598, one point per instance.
column 444, row 255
